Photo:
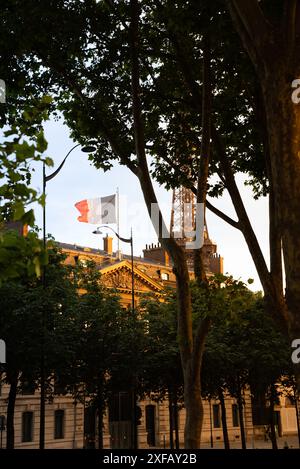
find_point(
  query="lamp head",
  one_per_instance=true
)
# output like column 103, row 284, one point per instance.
column 97, row 231
column 89, row 148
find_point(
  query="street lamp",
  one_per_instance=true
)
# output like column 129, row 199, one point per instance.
column 134, row 397
column 89, row 148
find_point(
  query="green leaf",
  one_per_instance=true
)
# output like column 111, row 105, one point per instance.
column 18, row 211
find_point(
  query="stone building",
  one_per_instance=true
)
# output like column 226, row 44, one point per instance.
column 70, row 425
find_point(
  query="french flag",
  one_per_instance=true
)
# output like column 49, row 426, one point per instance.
column 101, row 210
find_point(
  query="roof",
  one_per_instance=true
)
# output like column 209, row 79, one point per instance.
column 114, row 255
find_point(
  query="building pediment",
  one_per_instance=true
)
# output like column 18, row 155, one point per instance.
column 119, row 276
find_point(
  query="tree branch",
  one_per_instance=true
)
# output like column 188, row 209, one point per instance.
column 197, row 98
column 206, row 125
column 289, row 24
column 71, row 83
column 254, row 21
column 243, row 33
column 255, row 31
column 175, row 251
column 199, row 270
column 244, row 221
column 189, row 185
column 274, row 225
column 220, row 214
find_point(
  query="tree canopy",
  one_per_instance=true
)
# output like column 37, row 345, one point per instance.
column 132, row 76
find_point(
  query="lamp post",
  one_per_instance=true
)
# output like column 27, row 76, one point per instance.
column 134, row 398
column 89, row 148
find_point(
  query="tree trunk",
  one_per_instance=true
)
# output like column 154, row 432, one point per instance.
column 297, row 414
column 277, row 66
column 194, row 411
column 100, row 425
column 191, row 349
column 224, row 420
column 241, row 413
column 100, row 409
column 177, row 443
column 171, row 426
column 272, row 418
column 283, row 119
column 10, row 430
column 210, row 425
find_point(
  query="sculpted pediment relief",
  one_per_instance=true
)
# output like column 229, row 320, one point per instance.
column 120, row 278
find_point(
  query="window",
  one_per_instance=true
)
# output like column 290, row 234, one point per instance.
column 120, row 407
column 27, row 427
column 235, row 416
column 59, row 417
column 164, row 276
column 216, row 416
column 150, row 424
column 2, row 423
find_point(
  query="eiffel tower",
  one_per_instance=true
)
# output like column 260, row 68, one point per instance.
column 183, row 220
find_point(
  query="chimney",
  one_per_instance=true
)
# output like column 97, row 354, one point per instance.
column 17, row 226
column 108, row 244
column 25, row 230
column 167, row 258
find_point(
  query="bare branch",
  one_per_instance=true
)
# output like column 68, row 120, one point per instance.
column 244, row 222
column 222, row 215
column 190, row 185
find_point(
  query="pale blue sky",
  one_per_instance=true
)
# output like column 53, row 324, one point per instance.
column 80, row 180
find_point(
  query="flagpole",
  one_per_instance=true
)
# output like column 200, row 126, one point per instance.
column 118, row 220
